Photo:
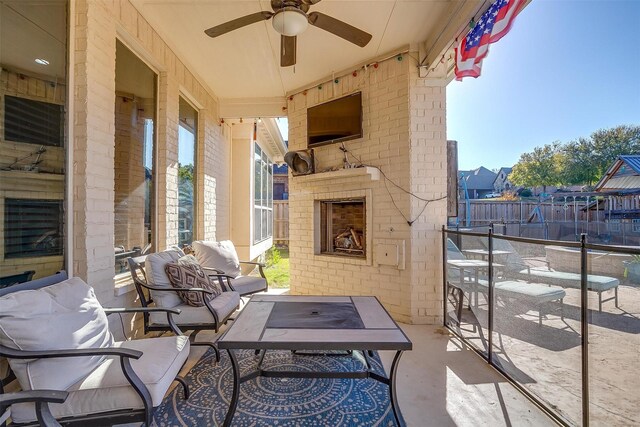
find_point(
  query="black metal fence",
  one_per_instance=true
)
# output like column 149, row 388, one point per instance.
column 561, row 320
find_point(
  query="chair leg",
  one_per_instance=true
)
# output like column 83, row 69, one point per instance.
column 600, row 301
column 185, row 387
column 460, row 304
column 209, row 344
column 616, row 294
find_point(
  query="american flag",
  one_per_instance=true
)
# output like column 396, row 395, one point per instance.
column 492, row 26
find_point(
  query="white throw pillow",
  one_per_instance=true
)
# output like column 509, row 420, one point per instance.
column 221, row 255
column 154, row 266
column 66, row 315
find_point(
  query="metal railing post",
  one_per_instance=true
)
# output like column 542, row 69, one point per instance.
column 584, row 330
column 444, row 276
column 490, row 277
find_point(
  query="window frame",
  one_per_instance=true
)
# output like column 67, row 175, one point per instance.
column 263, row 221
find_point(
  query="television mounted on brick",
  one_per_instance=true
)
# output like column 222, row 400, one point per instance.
column 335, row 121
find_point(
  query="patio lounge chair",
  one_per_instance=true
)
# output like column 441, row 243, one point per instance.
column 221, row 257
column 521, row 268
column 511, row 292
column 56, row 336
column 154, row 289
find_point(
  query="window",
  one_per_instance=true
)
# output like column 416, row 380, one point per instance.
column 33, row 138
column 134, row 157
column 186, row 172
column 33, row 228
column 614, row 225
column 34, row 122
column 279, row 192
column 263, row 196
column 635, row 225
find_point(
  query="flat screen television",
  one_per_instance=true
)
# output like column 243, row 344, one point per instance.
column 335, row 121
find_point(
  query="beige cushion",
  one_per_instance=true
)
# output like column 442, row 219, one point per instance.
column 107, row 389
column 62, row 316
column 187, row 273
column 221, row 255
column 154, row 266
column 223, row 305
column 245, row 285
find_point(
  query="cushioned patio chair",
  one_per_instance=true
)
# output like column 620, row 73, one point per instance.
column 522, row 268
column 510, row 292
column 222, row 258
column 56, row 336
column 154, row 289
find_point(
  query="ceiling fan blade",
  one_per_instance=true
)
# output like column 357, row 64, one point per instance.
column 234, row 24
column 310, row 2
column 339, row 28
column 288, row 51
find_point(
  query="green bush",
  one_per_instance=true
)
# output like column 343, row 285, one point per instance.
column 273, row 256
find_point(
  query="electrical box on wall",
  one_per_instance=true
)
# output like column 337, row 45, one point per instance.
column 390, row 253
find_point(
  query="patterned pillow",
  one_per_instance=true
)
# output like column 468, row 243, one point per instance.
column 187, row 273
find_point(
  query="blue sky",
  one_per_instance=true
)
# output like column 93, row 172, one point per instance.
column 566, row 69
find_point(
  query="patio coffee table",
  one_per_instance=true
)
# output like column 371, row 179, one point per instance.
column 323, row 323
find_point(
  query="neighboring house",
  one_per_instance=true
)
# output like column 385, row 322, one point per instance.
column 478, row 182
column 502, row 183
column 623, row 174
column 281, row 182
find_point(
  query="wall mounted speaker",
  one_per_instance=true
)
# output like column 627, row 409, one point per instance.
column 300, row 162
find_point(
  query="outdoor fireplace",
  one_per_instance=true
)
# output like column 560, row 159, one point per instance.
column 342, row 227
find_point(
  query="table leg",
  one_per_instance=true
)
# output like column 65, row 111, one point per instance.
column 392, row 390
column 236, row 389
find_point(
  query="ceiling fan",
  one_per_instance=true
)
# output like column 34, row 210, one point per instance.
column 290, row 18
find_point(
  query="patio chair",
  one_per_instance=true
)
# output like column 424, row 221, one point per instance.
column 56, row 336
column 522, row 268
column 222, row 258
column 510, row 292
column 154, row 289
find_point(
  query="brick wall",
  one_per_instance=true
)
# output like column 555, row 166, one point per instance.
column 404, row 135
column 97, row 25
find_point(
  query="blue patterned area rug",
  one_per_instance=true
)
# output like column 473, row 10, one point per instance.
column 279, row 401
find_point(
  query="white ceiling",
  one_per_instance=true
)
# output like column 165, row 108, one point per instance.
column 245, row 63
column 30, row 30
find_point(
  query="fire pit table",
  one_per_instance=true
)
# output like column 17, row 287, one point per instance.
column 316, row 323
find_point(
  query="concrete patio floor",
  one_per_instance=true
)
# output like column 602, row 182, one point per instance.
column 444, row 383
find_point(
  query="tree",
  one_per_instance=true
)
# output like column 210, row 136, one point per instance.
column 579, row 165
column 608, row 144
column 540, row 167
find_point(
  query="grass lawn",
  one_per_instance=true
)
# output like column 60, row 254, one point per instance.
column 278, row 274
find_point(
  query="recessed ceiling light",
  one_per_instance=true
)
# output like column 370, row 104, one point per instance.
column 42, row 61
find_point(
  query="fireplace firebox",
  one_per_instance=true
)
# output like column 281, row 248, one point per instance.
column 342, row 227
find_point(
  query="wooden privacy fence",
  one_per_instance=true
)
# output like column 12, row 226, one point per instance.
column 485, row 212
column 281, row 222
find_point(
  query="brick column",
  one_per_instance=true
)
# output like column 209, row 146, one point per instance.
column 428, row 160
column 93, row 145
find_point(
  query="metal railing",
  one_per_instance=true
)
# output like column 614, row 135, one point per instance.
column 505, row 286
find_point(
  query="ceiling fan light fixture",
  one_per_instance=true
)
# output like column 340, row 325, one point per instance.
column 290, row 21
